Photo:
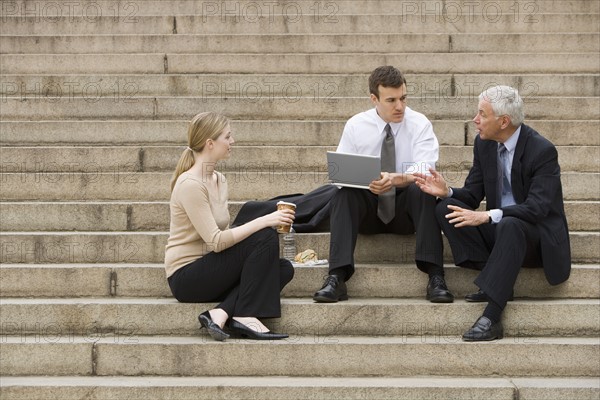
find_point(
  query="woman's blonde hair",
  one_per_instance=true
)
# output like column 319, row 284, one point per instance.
column 204, row 126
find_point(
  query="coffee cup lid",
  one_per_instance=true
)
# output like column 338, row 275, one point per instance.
column 285, row 202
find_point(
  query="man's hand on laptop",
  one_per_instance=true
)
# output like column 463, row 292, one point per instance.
column 389, row 180
column 382, row 185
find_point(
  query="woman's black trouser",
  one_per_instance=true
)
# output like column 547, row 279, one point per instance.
column 246, row 278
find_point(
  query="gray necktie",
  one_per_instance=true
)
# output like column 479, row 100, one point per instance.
column 504, row 187
column 386, row 207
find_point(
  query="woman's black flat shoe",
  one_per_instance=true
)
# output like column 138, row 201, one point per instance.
column 240, row 330
column 213, row 329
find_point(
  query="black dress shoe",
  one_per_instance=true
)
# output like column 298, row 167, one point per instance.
column 484, row 330
column 333, row 290
column 481, row 297
column 213, row 329
column 437, row 291
column 240, row 330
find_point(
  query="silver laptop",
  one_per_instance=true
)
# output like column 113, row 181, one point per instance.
column 353, row 170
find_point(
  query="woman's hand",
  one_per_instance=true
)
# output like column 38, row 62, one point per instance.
column 279, row 217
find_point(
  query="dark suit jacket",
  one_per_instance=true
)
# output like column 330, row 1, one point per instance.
column 536, row 186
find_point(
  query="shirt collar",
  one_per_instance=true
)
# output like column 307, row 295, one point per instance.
column 511, row 143
column 381, row 123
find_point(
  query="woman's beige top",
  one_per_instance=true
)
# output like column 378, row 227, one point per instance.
column 199, row 221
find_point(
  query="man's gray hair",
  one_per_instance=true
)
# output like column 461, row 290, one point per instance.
column 505, row 100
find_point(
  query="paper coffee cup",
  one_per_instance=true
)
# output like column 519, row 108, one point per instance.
column 282, row 205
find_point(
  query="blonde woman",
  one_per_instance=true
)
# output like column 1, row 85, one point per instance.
column 205, row 259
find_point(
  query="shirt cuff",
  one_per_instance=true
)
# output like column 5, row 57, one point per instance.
column 449, row 194
column 496, row 215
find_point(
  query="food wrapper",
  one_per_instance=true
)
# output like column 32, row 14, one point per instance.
column 306, row 256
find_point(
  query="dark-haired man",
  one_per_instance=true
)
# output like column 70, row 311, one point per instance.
column 393, row 204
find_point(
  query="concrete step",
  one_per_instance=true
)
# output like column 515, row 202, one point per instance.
column 148, row 247
column 388, row 356
column 263, row 86
column 248, row 10
column 552, row 130
column 90, row 216
column 369, row 317
column 154, row 216
column 370, row 280
column 292, row 388
column 247, row 132
column 452, row 22
column 295, row 105
column 452, row 159
column 83, row 63
column 294, row 63
column 243, row 185
column 302, row 43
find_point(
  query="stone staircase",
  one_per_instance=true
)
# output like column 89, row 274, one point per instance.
column 95, row 99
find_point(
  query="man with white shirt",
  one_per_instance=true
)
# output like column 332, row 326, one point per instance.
column 406, row 143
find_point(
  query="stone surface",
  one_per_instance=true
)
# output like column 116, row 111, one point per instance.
column 148, row 247
column 388, row 356
column 369, row 281
column 291, row 388
column 134, row 318
column 535, row 389
column 412, row 63
column 253, row 388
column 320, row 87
column 302, row 43
column 50, row 350
column 251, row 20
column 293, row 106
column 431, row 8
column 561, row 133
column 452, row 159
column 98, row 63
column 108, row 355
column 154, row 216
column 247, row 132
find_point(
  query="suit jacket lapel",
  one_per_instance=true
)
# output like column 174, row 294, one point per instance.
column 516, row 180
column 489, row 161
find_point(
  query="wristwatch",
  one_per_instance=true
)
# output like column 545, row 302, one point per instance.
column 489, row 217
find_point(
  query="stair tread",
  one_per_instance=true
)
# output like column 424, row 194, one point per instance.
column 161, row 265
column 421, row 381
column 299, row 340
column 352, row 302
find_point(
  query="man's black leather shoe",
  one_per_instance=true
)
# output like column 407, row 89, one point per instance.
column 332, row 291
column 437, row 291
column 484, row 330
column 481, row 297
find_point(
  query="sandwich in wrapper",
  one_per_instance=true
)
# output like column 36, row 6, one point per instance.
column 306, row 256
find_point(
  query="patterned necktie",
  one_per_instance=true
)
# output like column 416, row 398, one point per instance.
column 504, row 187
column 386, row 207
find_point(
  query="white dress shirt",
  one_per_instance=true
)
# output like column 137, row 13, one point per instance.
column 417, row 147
